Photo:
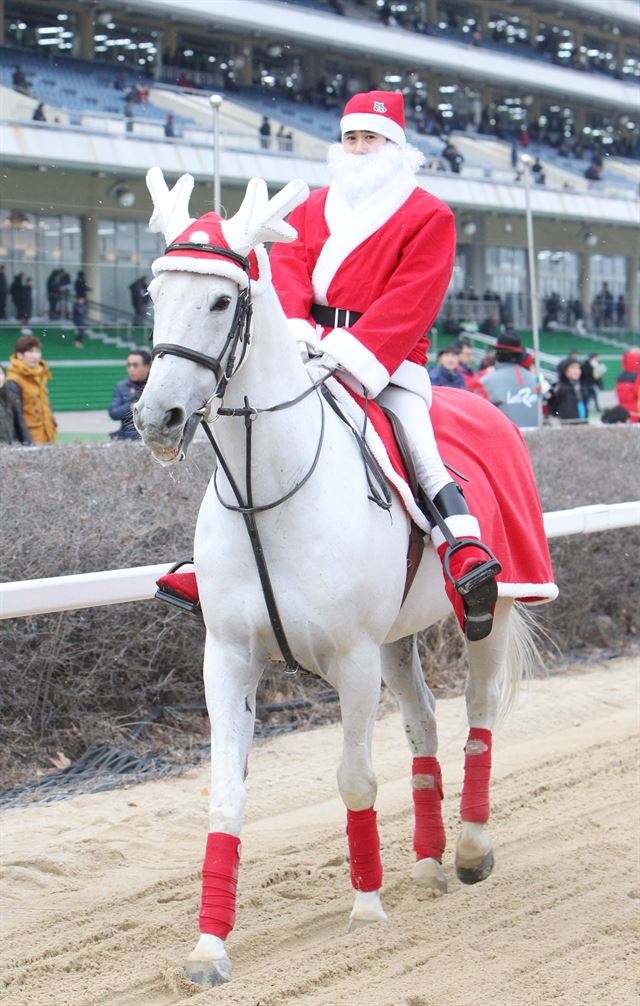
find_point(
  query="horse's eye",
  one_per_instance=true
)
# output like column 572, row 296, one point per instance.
column 221, row 304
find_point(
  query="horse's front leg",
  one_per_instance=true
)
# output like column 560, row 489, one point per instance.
column 356, row 677
column 487, row 658
column 231, row 678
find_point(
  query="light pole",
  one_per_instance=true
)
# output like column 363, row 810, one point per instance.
column 526, row 161
column 216, row 100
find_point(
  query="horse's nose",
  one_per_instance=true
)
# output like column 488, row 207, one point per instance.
column 167, row 421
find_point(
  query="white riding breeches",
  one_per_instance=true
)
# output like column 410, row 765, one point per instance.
column 413, row 412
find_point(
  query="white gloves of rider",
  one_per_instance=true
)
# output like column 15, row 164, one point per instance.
column 321, row 367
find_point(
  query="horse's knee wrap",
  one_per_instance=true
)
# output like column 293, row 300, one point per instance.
column 474, row 805
column 428, row 836
column 364, row 850
column 219, row 884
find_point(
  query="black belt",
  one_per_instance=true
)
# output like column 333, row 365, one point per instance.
column 334, row 317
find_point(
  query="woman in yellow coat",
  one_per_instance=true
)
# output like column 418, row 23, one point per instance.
column 27, row 377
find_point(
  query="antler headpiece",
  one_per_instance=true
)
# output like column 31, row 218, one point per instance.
column 258, row 219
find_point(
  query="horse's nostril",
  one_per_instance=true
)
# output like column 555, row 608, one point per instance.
column 174, row 418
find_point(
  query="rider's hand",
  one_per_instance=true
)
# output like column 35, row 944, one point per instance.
column 321, row 367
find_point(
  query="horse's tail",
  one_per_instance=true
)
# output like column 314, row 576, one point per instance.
column 522, row 657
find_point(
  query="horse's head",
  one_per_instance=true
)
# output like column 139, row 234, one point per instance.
column 202, row 294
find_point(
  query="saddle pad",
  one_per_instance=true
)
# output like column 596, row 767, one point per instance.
column 476, row 439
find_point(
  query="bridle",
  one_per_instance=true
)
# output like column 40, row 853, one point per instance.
column 239, row 332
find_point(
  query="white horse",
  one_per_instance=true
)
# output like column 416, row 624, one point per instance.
column 337, row 563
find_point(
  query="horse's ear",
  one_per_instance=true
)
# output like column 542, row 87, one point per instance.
column 262, row 219
column 170, row 206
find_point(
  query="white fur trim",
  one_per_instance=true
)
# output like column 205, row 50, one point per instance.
column 374, row 124
column 461, row 526
column 302, row 330
column 349, row 227
column 208, row 266
column 356, row 359
column 259, row 285
column 352, row 409
column 413, row 377
column 200, row 237
column 544, row 591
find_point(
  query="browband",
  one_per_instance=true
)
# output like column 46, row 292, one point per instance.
column 212, row 250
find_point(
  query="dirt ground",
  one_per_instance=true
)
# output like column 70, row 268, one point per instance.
column 100, row 893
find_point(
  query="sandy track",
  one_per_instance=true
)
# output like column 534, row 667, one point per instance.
column 100, row 894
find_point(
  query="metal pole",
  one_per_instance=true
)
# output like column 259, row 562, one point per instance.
column 527, row 161
column 216, row 101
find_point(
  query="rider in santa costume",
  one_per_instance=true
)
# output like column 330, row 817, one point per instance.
column 364, row 282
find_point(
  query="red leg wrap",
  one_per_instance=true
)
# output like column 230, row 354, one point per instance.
column 219, row 883
column 428, row 836
column 364, row 850
column 474, row 805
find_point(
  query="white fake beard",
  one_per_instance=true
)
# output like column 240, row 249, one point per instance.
column 359, row 176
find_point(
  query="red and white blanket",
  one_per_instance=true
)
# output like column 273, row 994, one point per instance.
column 478, row 441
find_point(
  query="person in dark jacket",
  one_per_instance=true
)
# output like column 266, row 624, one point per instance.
column 80, row 285
column 126, row 393
column 445, row 374
column 3, row 294
column 138, row 291
column 16, row 294
column 566, row 399
column 27, row 306
column 13, row 429
column 38, row 113
column 79, row 318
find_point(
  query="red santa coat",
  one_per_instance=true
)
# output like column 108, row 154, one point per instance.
column 390, row 258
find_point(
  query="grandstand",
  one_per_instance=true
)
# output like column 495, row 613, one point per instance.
column 557, row 80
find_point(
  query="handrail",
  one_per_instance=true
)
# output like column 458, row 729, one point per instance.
column 117, row 586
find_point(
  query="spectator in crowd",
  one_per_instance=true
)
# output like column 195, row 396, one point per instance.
column 551, row 312
column 628, row 383
column 621, row 311
column 80, row 286
column 138, row 291
column 27, row 306
column 127, row 392
column 572, row 357
column 64, row 290
column 79, row 320
column 566, row 398
column 27, row 377
column 593, row 173
column 16, row 294
column 514, row 156
column 265, row 133
column 169, row 126
column 129, row 114
column 19, row 80
column 537, row 170
column 38, row 113
column 53, row 294
column 445, row 374
column 3, row 294
column 510, row 386
column 453, row 157
column 465, row 360
column 591, row 377
column 13, row 429
column 281, row 139
column 602, row 307
column 491, row 326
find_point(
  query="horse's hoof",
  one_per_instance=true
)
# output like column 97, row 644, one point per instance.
column 367, row 908
column 208, row 973
column 429, row 873
column 474, row 874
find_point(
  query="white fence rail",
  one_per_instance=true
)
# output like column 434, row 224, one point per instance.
column 117, row 586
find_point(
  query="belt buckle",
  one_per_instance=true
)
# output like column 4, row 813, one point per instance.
column 337, row 311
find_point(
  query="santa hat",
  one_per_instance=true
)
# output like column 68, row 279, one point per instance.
column 208, row 230
column 377, row 112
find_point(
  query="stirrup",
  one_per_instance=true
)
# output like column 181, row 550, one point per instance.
column 477, row 588
column 171, row 596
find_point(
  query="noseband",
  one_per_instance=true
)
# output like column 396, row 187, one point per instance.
column 239, row 333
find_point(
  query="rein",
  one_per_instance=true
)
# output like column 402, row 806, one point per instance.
column 245, row 506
